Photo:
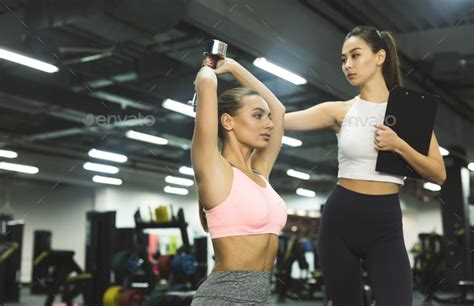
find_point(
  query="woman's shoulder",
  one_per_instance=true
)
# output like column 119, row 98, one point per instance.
column 343, row 105
column 348, row 102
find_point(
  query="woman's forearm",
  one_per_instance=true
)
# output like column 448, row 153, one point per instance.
column 246, row 79
column 427, row 167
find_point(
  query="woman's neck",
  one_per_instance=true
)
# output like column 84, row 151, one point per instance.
column 238, row 156
column 375, row 91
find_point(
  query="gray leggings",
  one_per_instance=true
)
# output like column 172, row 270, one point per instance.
column 234, row 288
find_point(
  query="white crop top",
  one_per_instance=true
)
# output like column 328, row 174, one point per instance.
column 356, row 153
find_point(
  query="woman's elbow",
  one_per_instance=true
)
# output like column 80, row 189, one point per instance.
column 280, row 110
column 443, row 179
column 440, row 178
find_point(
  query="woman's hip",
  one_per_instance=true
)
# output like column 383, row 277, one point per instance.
column 236, row 287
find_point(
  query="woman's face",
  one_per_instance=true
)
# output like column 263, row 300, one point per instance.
column 359, row 62
column 253, row 124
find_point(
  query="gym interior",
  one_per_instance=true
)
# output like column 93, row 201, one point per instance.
column 98, row 203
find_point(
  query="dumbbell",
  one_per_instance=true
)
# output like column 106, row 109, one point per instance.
column 184, row 264
column 216, row 50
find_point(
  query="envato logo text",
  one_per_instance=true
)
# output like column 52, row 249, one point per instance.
column 107, row 120
column 358, row 121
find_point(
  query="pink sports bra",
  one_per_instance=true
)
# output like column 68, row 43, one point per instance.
column 249, row 209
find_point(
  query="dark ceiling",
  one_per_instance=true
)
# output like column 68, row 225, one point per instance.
column 119, row 60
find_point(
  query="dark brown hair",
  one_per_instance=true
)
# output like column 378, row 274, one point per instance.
column 229, row 102
column 378, row 40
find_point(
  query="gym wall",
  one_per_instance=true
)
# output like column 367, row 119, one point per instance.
column 61, row 210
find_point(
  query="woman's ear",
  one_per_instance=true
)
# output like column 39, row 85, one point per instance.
column 227, row 122
column 381, row 55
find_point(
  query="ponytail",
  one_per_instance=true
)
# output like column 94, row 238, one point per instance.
column 391, row 66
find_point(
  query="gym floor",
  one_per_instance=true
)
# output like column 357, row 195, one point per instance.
column 34, row 300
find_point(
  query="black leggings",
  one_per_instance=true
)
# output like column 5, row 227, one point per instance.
column 357, row 228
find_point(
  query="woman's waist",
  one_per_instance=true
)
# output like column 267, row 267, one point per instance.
column 245, row 260
column 248, row 253
column 364, row 170
column 230, row 266
column 369, row 187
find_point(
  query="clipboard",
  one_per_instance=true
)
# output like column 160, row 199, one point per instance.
column 411, row 115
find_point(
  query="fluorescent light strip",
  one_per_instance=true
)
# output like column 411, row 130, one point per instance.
column 18, row 168
column 146, row 137
column 179, row 181
column 106, row 180
column 305, row 193
column 186, row 170
column 101, row 168
column 8, row 154
column 180, row 191
column 119, row 158
column 431, row 186
column 262, row 63
column 301, row 212
column 443, row 151
column 292, row 142
column 470, row 166
column 179, row 107
column 27, row 61
column 298, row 174
column 115, row 99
